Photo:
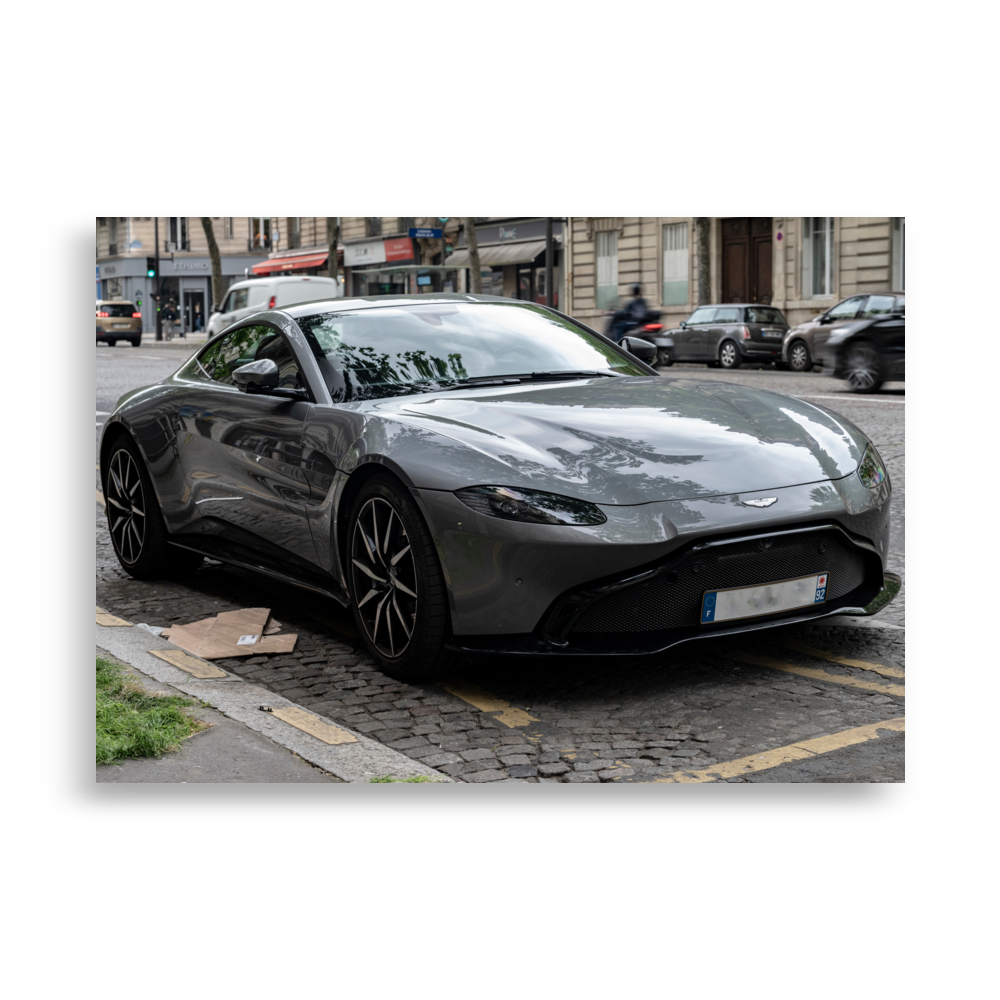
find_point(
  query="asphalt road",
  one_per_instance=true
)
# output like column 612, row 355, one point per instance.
column 809, row 695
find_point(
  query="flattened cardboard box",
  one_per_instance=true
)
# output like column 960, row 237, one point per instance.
column 219, row 637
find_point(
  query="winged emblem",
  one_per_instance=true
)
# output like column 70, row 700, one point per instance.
column 761, row 502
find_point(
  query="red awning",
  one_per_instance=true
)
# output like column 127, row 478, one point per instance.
column 281, row 265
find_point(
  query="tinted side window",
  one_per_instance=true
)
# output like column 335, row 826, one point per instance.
column 238, row 347
column 847, row 308
column 878, row 305
column 277, row 349
column 728, row 316
column 703, row 315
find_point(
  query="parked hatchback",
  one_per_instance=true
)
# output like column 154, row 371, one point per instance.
column 723, row 336
column 802, row 347
column 245, row 298
column 118, row 320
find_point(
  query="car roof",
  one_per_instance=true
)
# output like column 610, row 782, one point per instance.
column 737, row 305
column 115, row 302
column 280, row 277
column 357, row 302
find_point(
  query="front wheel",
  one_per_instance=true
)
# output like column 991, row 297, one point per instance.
column 397, row 588
column 798, row 357
column 862, row 369
column 729, row 355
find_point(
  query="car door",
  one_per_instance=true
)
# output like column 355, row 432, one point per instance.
column 687, row 339
column 232, row 309
column 724, row 327
column 242, row 453
column 840, row 315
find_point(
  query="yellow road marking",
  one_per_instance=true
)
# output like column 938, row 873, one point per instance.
column 817, row 675
column 822, row 654
column 192, row 664
column 487, row 702
column 100, row 499
column 313, row 725
column 784, row 755
column 104, row 618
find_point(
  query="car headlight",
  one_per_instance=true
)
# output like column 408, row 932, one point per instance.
column 871, row 470
column 532, row 506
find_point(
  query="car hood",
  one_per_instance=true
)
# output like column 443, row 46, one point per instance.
column 618, row 441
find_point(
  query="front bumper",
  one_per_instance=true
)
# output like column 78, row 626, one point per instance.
column 509, row 582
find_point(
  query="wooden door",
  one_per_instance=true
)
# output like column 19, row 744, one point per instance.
column 746, row 260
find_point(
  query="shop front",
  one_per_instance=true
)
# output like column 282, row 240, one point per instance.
column 389, row 267
column 512, row 259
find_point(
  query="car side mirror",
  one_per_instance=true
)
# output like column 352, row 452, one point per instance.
column 638, row 348
column 825, row 319
column 215, row 308
column 684, row 324
column 258, row 376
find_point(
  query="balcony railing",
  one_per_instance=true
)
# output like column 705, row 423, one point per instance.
column 170, row 247
column 259, row 243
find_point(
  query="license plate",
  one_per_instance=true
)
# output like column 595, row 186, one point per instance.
column 120, row 326
column 773, row 334
column 766, row 599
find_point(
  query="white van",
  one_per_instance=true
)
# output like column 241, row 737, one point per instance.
column 245, row 298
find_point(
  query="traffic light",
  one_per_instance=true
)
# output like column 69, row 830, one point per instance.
column 150, row 267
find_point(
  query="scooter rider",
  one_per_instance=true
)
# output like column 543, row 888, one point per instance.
column 631, row 316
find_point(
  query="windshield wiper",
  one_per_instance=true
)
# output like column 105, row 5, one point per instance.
column 475, row 383
column 587, row 373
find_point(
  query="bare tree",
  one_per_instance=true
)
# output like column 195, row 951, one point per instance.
column 704, row 269
column 333, row 238
column 473, row 245
column 213, row 251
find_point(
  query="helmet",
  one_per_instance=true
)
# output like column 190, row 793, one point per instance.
column 637, row 289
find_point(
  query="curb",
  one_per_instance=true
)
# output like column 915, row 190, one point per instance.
column 359, row 760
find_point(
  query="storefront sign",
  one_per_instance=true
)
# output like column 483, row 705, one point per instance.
column 508, row 234
column 399, row 249
column 109, row 270
column 192, row 265
column 357, row 254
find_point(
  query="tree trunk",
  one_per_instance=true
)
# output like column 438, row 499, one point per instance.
column 474, row 267
column 213, row 251
column 704, row 267
column 333, row 238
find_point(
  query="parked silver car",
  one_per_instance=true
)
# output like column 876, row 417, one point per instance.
column 801, row 348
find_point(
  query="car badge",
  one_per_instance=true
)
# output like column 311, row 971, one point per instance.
column 761, row 502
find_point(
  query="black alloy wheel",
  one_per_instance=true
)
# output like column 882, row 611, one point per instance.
column 862, row 368
column 126, row 503
column 729, row 355
column 396, row 585
column 138, row 533
column 798, row 357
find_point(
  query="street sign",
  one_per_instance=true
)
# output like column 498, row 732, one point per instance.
column 426, row 234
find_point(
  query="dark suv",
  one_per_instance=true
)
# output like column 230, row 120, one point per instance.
column 724, row 335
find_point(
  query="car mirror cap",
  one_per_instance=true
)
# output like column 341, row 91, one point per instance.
column 639, row 348
column 259, row 374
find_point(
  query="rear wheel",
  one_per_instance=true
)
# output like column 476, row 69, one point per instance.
column 136, row 341
column 138, row 532
column 798, row 357
column 111, row 342
column 729, row 355
column 397, row 588
column 862, row 369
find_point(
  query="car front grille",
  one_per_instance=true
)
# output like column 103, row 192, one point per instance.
column 672, row 599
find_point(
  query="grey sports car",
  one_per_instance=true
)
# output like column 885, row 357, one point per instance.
column 471, row 473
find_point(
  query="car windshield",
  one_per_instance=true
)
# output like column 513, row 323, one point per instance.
column 765, row 314
column 403, row 349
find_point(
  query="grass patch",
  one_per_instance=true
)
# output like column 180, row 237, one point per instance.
column 416, row 779
column 132, row 722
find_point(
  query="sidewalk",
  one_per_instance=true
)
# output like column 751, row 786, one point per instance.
column 245, row 744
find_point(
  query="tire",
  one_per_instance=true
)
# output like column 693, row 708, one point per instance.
column 397, row 589
column 799, row 359
column 862, row 368
column 664, row 357
column 137, row 342
column 138, row 533
column 729, row 355
column 111, row 342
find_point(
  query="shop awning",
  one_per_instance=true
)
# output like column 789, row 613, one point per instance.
column 501, row 253
column 281, row 265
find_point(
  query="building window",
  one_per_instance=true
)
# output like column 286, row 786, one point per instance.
column 177, row 234
column 227, row 229
column 675, row 264
column 260, row 233
column 373, row 226
column 817, row 257
column 607, row 270
column 899, row 255
column 112, row 235
column 407, row 222
column 294, row 233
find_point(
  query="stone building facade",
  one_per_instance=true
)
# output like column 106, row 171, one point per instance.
column 800, row 265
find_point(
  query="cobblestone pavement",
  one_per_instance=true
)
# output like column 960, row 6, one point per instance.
column 586, row 721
